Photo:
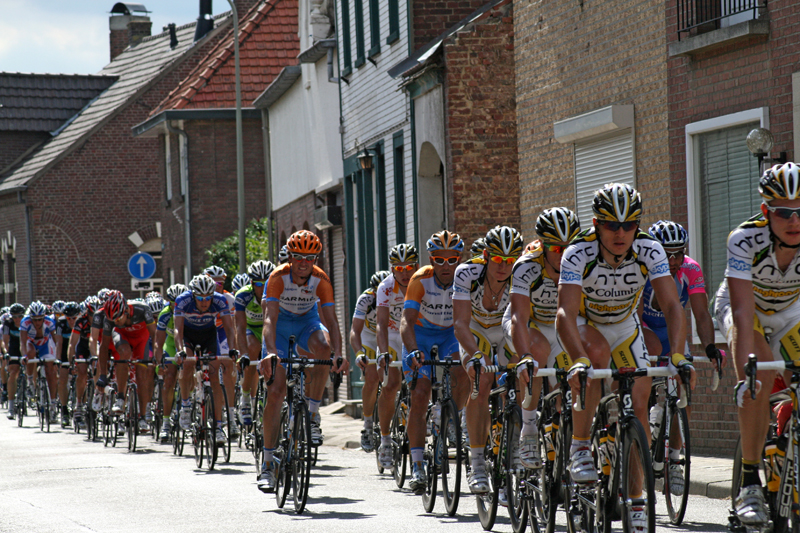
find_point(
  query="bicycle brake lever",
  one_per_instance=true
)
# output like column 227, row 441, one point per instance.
column 526, row 403
column 476, row 386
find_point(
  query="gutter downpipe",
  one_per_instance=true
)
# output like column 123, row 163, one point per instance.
column 273, row 229
column 187, row 212
column 21, row 200
column 331, row 78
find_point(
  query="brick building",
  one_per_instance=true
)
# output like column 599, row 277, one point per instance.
column 728, row 72
column 76, row 208
column 194, row 128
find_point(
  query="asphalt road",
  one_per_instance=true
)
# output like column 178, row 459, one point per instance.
column 58, row 482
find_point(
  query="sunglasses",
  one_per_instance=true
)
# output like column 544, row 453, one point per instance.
column 555, row 248
column 302, row 257
column 400, row 268
column 203, row 298
column 441, row 260
column 500, row 259
column 784, row 212
column 675, row 254
column 613, row 225
column 258, row 283
column 40, row 319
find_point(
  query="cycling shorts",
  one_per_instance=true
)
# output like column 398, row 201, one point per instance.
column 253, row 331
column 138, row 341
column 301, row 326
column 370, row 344
column 204, row 341
column 557, row 358
column 493, row 340
column 626, row 341
column 426, row 339
column 82, row 349
column 663, row 337
column 222, row 339
column 785, row 326
column 46, row 351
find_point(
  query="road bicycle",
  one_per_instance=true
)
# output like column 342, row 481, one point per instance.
column 204, row 420
column 42, row 394
column 397, row 428
column 21, row 396
column 89, row 416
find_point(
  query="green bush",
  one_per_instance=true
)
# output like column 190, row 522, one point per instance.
column 225, row 253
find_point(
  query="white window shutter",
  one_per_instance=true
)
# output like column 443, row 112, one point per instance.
column 601, row 161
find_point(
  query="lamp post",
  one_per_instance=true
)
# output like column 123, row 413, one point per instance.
column 239, row 151
column 760, row 141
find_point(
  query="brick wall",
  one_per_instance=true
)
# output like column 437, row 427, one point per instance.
column 573, row 59
column 481, row 126
column 15, row 143
column 433, row 17
column 12, row 227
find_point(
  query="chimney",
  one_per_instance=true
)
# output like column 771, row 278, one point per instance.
column 204, row 22
column 127, row 29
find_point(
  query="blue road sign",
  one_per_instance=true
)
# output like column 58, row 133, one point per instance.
column 142, row 265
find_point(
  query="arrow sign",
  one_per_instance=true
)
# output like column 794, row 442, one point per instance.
column 141, row 265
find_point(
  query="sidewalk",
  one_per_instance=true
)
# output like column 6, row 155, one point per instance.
column 710, row 476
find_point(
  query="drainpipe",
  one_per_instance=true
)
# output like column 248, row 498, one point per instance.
column 187, row 212
column 21, row 200
column 273, row 230
column 331, row 78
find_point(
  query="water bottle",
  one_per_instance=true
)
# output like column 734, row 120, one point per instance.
column 656, row 415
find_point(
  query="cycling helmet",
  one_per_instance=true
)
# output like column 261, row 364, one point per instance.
column 260, row 269
column 37, row 309
column 239, row 281
column 283, row 255
column 71, row 309
column 176, row 290
column 93, row 304
column 4, row 310
column 303, row 242
column 16, row 309
column 115, row 305
column 103, row 294
column 403, row 253
column 557, row 225
column 49, row 309
column 215, row 272
column 83, row 309
column 202, row 285
column 445, row 240
column 781, row 182
column 669, row 234
column 503, row 240
column 617, row 202
column 377, row 277
column 156, row 304
column 152, row 294
column 478, row 246
column 58, row 307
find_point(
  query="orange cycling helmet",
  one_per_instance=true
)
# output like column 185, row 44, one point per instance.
column 304, row 242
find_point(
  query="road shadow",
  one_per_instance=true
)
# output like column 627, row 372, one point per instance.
column 692, row 526
column 331, row 500
column 310, row 514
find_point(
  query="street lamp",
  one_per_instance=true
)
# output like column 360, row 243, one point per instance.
column 365, row 160
column 760, row 141
column 239, row 149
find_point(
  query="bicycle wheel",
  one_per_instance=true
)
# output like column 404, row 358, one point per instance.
column 158, row 409
column 512, row 471
column 677, row 499
column 198, row 437
column 451, row 457
column 210, row 429
column 399, row 443
column 431, row 463
column 283, row 458
column 487, row 503
column 132, row 417
column 636, row 475
column 376, row 434
column 227, row 425
column 301, row 456
column 21, row 401
column 41, row 405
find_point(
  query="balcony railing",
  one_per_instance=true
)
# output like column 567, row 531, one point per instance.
column 694, row 14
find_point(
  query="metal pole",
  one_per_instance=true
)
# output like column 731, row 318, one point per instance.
column 239, row 151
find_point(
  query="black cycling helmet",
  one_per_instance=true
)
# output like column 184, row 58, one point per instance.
column 72, row 309
column 17, row 309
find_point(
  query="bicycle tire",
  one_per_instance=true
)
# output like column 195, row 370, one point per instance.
column 556, row 485
column 676, row 504
column 399, row 442
column 197, row 432
column 132, row 417
column 283, row 457
column 487, row 503
column 40, row 404
column 210, row 429
column 21, row 401
column 517, row 510
column 429, row 466
column 227, row 425
column 635, row 449
column 158, row 409
column 376, row 432
column 301, row 456
column 451, row 474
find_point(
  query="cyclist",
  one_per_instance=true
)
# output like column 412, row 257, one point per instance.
column 603, row 273
column 11, row 337
column 68, row 315
column 249, row 320
column 195, row 316
column 291, row 309
column 530, row 317
column 130, row 326
column 480, row 297
column 760, row 291
column 478, row 247
column 691, row 290
column 239, row 281
column 4, row 314
column 225, row 343
column 79, row 348
column 37, row 339
column 364, row 345
column 427, row 321
column 283, row 255
column 165, row 344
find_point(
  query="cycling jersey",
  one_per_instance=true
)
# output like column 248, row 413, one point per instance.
column 434, row 302
column 139, row 314
column 48, row 328
column 468, row 284
column 689, row 280
column 10, row 329
column 83, row 328
column 247, row 302
column 530, row 279
column 186, row 307
column 389, row 295
column 367, row 310
column 751, row 257
column 166, row 323
column 611, row 295
column 65, row 332
column 299, row 299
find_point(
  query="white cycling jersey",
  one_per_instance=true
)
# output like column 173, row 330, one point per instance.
column 611, row 295
column 530, row 279
column 366, row 309
column 389, row 295
column 468, row 284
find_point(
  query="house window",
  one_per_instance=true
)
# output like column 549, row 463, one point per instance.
column 399, row 188
column 598, row 161
column 374, row 28
column 168, row 167
column 394, row 22
column 359, row 14
column 346, row 51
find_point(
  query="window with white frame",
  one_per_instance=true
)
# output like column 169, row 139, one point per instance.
column 601, row 160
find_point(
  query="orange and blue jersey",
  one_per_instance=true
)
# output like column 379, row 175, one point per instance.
column 434, row 302
column 299, row 299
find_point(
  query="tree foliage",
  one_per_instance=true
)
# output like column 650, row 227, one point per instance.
column 225, row 253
